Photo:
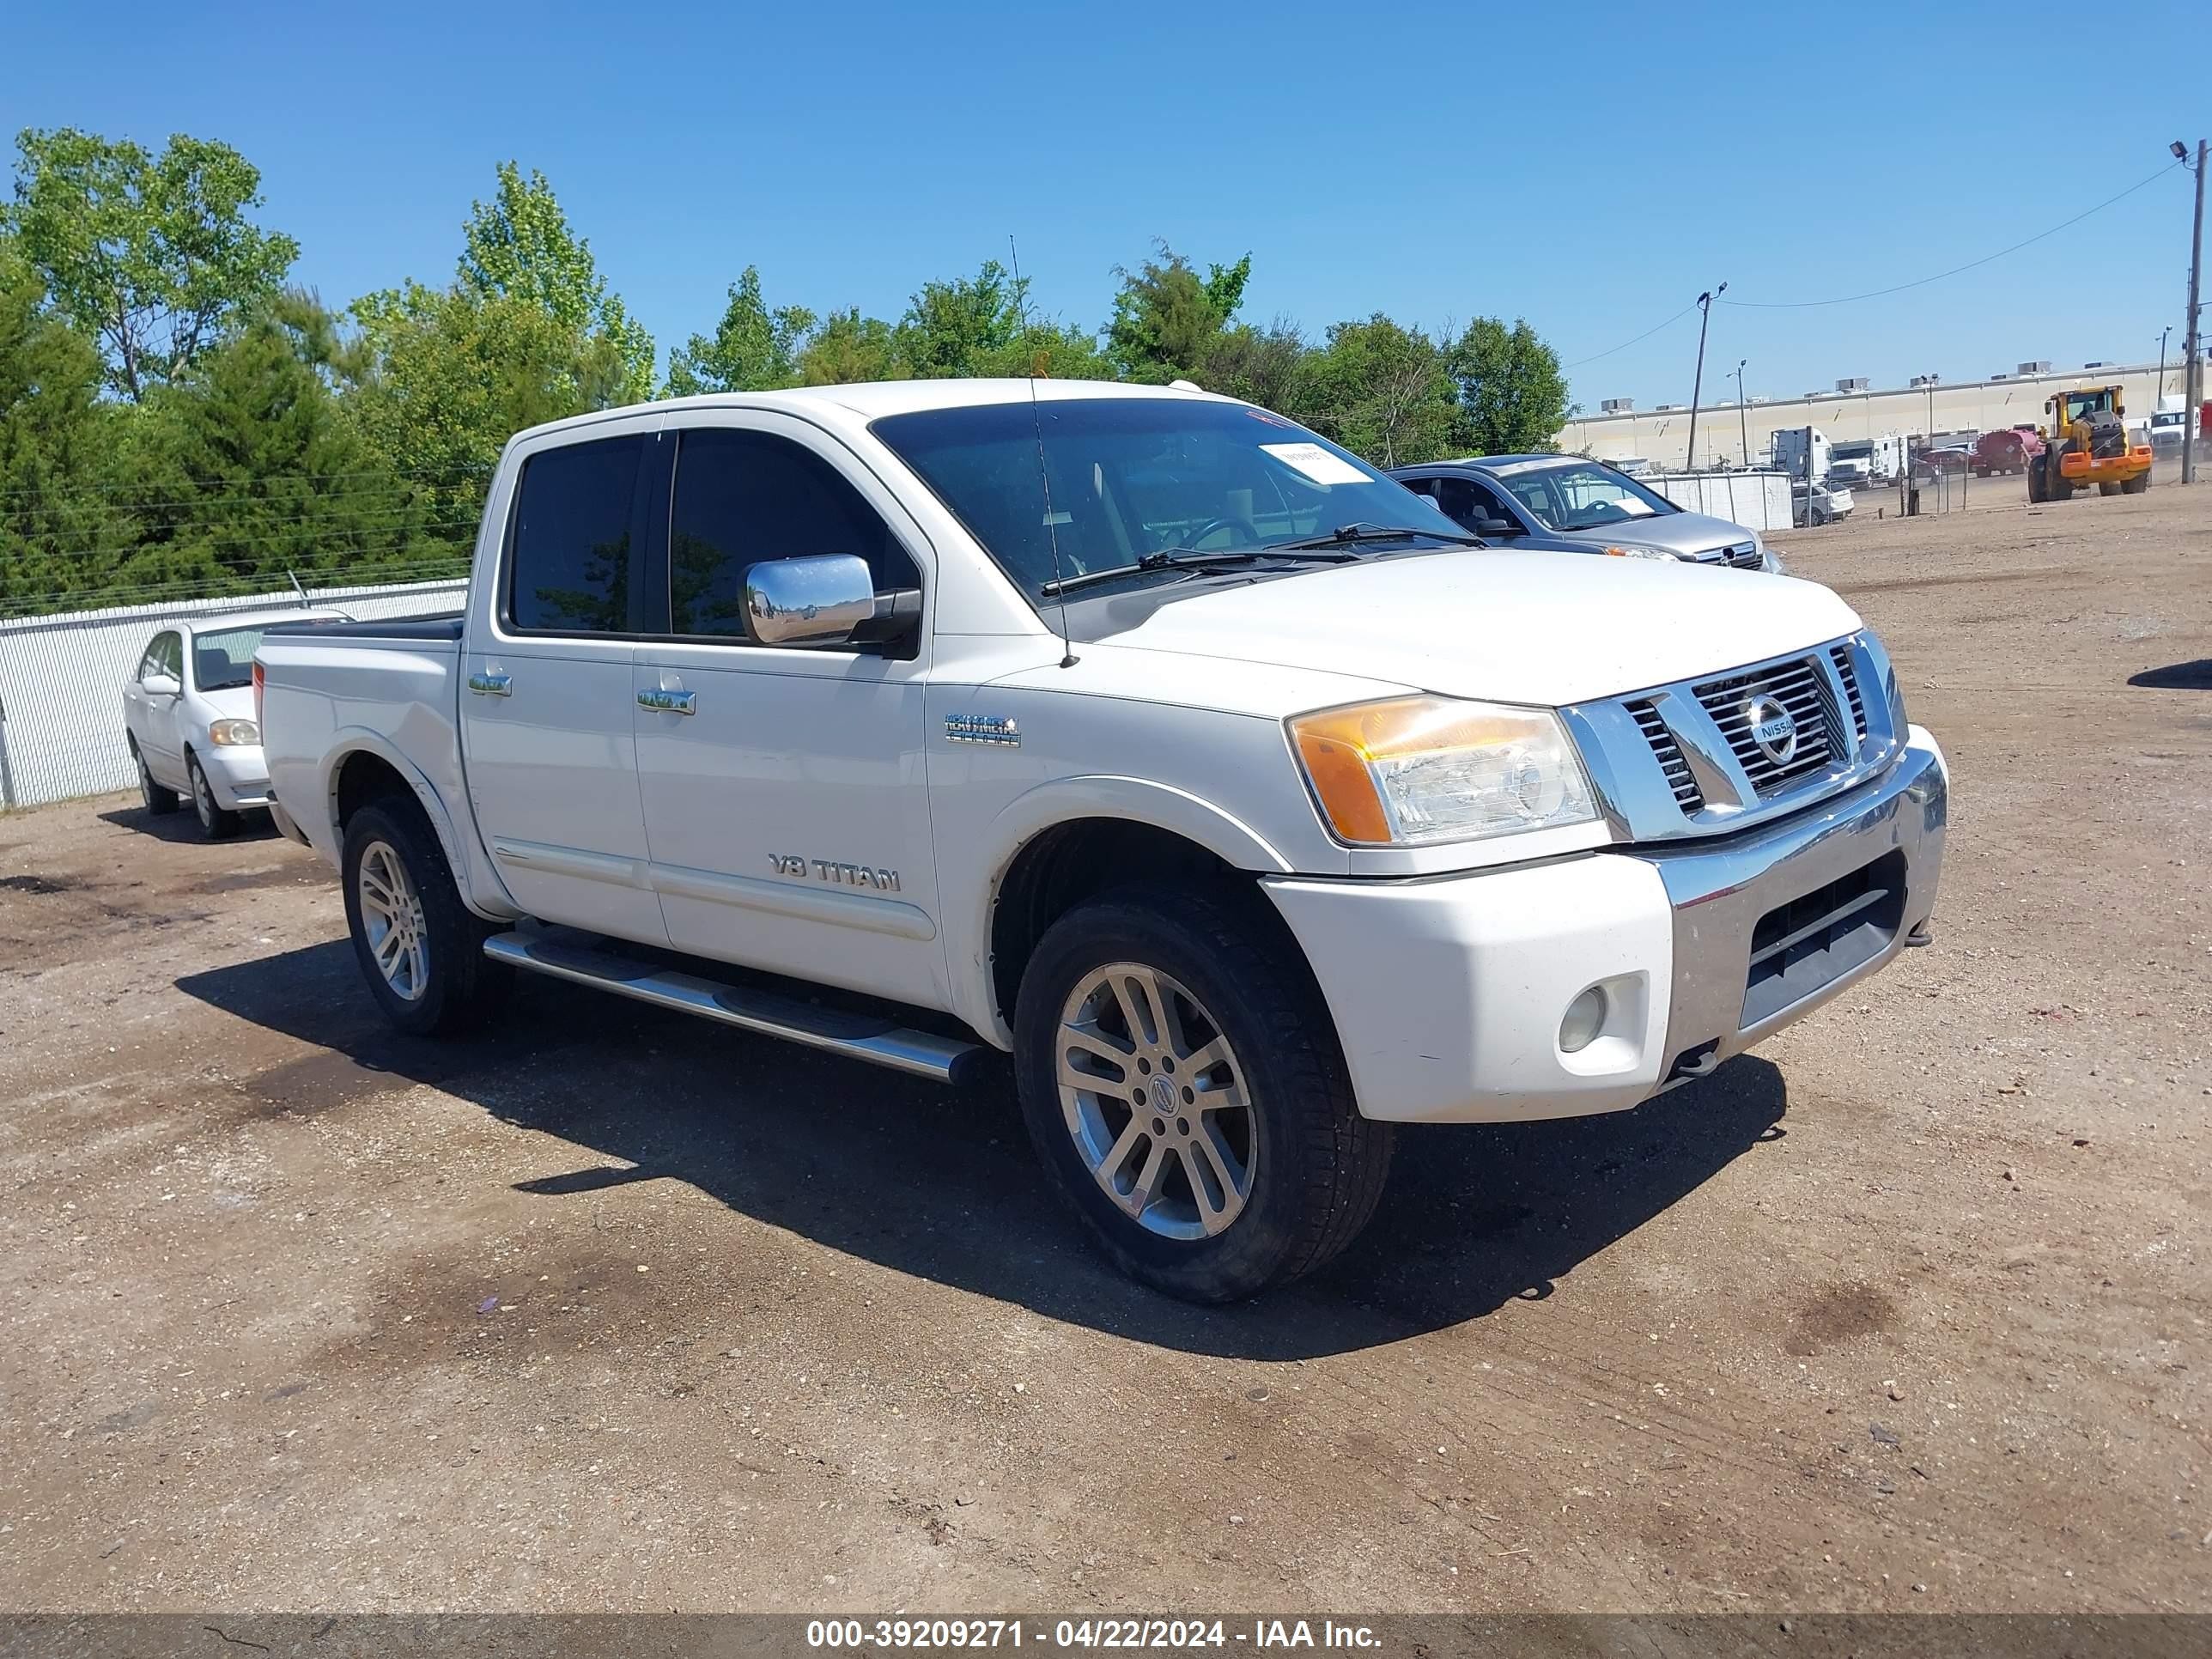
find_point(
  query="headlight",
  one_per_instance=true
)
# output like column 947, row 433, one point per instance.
column 1624, row 551
column 234, row 734
column 1417, row 770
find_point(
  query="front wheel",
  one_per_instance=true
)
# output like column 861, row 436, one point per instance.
column 420, row 949
column 1182, row 1080
column 217, row 822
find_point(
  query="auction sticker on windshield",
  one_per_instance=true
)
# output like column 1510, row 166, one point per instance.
column 1317, row 464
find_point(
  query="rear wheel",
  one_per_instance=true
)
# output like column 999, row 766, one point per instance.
column 2035, row 489
column 1180, row 1079
column 420, row 949
column 160, row 801
column 217, row 822
column 2108, row 490
column 2136, row 485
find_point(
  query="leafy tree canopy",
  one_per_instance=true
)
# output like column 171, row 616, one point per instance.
column 1380, row 389
column 148, row 255
column 1512, row 397
column 751, row 350
column 519, row 245
column 1168, row 318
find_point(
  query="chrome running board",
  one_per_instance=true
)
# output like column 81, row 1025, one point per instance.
column 869, row 1037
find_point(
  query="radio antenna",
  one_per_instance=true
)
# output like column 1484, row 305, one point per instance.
column 1044, row 477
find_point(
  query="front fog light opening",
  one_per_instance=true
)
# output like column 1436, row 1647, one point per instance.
column 1584, row 1020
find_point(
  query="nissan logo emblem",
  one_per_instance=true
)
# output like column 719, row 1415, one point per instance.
column 1772, row 729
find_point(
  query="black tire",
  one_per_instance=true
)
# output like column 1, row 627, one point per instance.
column 2136, row 485
column 216, row 822
column 159, row 802
column 460, row 987
column 1316, row 1168
column 2108, row 490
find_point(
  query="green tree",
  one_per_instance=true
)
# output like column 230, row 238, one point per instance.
column 847, row 348
column 249, row 468
column 1261, row 366
column 751, row 350
column 519, row 245
column 444, row 378
column 150, row 255
column 1380, row 389
column 1168, row 318
column 953, row 328
column 1512, row 397
column 62, row 517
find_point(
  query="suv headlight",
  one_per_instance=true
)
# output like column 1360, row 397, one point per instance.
column 1630, row 550
column 234, row 734
column 1417, row 770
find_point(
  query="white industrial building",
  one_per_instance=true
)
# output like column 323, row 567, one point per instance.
column 1852, row 411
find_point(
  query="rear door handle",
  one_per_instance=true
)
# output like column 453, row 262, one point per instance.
column 666, row 702
column 490, row 685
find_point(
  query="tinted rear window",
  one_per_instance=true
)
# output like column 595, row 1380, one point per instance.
column 569, row 563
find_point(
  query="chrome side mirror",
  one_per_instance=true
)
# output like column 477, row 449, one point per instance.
column 813, row 601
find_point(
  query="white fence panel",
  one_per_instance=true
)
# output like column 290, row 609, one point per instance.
column 61, row 678
column 1757, row 501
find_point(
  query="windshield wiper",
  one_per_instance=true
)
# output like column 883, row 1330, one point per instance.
column 1346, row 534
column 1191, row 558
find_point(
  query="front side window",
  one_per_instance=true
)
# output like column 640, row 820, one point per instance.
column 154, row 662
column 1581, row 496
column 1071, row 487
column 743, row 498
column 570, row 555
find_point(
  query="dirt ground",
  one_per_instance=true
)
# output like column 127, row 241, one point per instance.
column 612, row 1310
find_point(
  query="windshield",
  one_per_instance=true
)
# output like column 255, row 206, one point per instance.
column 223, row 662
column 1129, row 476
column 1581, row 496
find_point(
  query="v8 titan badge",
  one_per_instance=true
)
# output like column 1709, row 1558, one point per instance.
column 982, row 728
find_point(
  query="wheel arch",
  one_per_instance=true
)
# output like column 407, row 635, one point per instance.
column 1063, row 842
column 363, row 766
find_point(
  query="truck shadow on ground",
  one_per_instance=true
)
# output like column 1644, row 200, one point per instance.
column 2176, row 677
column 942, row 1184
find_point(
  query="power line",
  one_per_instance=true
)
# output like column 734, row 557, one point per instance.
column 1625, row 345
column 1923, row 282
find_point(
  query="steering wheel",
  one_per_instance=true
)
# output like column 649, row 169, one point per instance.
column 1227, row 521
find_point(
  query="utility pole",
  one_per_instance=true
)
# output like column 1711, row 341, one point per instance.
column 1698, row 385
column 2193, row 380
column 1743, row 420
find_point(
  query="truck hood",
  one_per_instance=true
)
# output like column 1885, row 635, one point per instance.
column 1528, row 627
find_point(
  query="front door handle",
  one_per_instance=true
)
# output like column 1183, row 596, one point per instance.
column 666, row 702
column 489, row 685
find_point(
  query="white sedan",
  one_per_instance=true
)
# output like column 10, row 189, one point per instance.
column 188, row 710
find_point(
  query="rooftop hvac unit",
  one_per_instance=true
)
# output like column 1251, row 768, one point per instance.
column 1616, row 406
column 2000, row 375
column 1661, row 408
column 1926, row 379
column 1856, row 383
column 2041, row 366
column 2099, row 363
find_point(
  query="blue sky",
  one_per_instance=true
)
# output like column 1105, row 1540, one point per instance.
column 1588, row 168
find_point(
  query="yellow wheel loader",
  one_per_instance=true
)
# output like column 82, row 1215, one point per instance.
column 2086, row 442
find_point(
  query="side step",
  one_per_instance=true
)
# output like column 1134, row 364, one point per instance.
column 859, row 1037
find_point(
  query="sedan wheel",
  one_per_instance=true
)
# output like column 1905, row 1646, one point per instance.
column 392, row 922
column 1155, row 1102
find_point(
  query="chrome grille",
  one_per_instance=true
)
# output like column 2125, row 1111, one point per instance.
column 1669, row 753
column 1797, row 686
column 1744, row 555
column 1841, row 654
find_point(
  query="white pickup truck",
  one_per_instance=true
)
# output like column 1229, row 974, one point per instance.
column 1245, row 801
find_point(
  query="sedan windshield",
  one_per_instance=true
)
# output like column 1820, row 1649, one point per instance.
column 1581, row 495
column 1075, row 487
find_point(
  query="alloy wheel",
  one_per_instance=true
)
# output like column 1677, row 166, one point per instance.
column 1155, row 1102
column 392, row 919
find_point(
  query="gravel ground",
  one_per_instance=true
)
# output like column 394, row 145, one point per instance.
column 611, row 1310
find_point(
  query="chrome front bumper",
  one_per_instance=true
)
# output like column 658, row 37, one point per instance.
column 1720, row 895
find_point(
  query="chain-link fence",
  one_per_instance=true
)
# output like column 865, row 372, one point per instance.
column 62, row 676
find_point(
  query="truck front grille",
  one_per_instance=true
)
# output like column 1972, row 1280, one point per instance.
column 1841, row 655
column 1669, row 754
column 1796, row 687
